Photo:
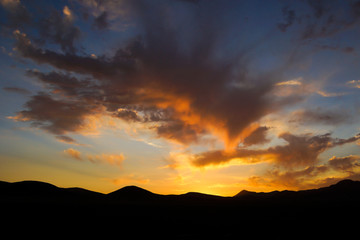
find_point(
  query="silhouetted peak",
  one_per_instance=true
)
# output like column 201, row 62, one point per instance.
column 132, row 192
column 83, row 192
column 346, row 184
column 192, row 194
column 37, row 184
column 198, row 195
column 245, row 193
column 33, row 188
column 134, row 189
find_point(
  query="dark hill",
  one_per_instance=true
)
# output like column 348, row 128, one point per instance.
column 133, row 193
column 245, row 193
column 346, row 187
column 83, row 192
column 30, row 188
column 136, row 212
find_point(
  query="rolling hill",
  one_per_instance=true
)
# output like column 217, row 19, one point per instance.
column 139, row 212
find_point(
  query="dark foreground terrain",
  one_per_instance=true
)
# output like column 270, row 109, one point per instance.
column 31, row 208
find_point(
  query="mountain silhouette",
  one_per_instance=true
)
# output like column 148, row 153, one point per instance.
column 343, row 190
column 142, row 214
column 133, row 193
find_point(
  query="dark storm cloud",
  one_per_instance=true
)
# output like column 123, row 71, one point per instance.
column 68, row 62
column 66, row 139
column 127, row 115
column 289, row 18
column 60, row 82
column 328, row 20
column 101, row 21
column 179, row 131
column 346, row 164
column 169, row 75
column 17, row 15
column 154, row 73
column 56, row 116
column 300, row 150
column 56, row 27
column 59, row 29
column 258, row 136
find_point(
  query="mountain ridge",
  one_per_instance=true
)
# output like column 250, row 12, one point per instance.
column 133, row 192
column 140, row 213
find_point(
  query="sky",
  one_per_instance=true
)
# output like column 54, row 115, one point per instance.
column 179, row 96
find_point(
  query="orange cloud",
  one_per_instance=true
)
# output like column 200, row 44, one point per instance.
column 182, row 98
column 334, row 170
column 353, row 83
column 299, row 151
column 73, row 153
column 111, row 159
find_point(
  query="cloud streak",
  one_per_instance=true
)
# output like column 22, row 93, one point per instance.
column 300, row 151
column 73, row 153
column 110, row 159
column 334, row 170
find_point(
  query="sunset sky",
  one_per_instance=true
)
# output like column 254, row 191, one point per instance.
column 180, row 95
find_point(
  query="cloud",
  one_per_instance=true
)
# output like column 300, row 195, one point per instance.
column 221, row 157
column 65, row 84
column 73, row 153
column 152, row 75
column 127, row 115
column 110, row 159
column 54, row 26
column 17, row 90
column 68, row 13
column 327, row 94
column 327, row 20
column 101, row 21
column 66, row 139
column 319, row 116
column 353, row 83
column 338, row 168
column 289, row 18
column 292, row 82
column 99, row 68
column 179, row 132
column 169, row 78
column 346, row 164
column 300, row 151
column 58, row 28
column 17, row 15
column 56, row 116
column 258, row 136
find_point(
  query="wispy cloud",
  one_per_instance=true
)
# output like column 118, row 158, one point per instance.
column 300, row 150
column 73, row 153
column 332, row 171
column 330, row 94
column 110, row 159
column 353, row 83
column 292, row 82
